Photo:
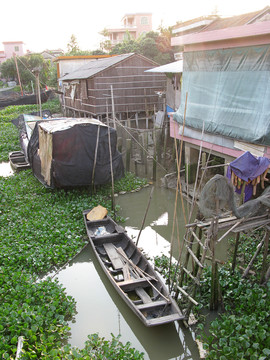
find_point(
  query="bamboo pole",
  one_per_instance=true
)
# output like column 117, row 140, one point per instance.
column 18, row 73
column 111, row 165
column 235, row 252
column 146, row 211
column 113, row 109
column 95, row 158
column 265, row 253
column 178, row 186
column 254, row 257
column 128, row 154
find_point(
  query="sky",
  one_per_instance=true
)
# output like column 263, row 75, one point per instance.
column 49, row 24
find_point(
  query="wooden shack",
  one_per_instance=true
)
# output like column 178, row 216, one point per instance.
column 117, row 84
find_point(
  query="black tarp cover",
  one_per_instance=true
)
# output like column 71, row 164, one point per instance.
column 62, row 152
column 229, row 92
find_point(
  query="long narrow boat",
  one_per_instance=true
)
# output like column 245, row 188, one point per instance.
column 130, row 273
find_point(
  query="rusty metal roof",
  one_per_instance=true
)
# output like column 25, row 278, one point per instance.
column 94, row 67
column 237, row 20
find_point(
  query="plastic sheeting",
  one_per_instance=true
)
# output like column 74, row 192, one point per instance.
column 228, row 90
column 69, row 152
column 248, row 167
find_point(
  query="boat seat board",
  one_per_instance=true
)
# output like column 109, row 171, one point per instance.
column 113, row 256
column 165, row 319
column 133, row 284
column 153, row 305
column 143, row 295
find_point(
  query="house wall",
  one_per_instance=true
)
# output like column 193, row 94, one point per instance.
column 12, row 47
column 133, row 89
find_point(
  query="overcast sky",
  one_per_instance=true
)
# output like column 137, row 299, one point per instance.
column 49, row 24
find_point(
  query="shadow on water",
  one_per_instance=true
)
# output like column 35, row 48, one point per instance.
column 99, row 307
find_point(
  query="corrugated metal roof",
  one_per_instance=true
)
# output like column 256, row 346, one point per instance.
column 175, row 67
column 93, row 67
column 234, row 21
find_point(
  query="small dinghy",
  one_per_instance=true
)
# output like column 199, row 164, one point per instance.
column 17, row 161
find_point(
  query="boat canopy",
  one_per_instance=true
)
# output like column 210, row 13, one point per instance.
column 228, row 92
column 68, row 152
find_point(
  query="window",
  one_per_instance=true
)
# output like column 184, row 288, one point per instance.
column 144, row 20
column 16, row 48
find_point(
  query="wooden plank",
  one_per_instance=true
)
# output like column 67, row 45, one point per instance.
column 143, row 295
column 152, row 305
column 165, row 319
column 126, row 273
column 251, row 225
column 113, row 256
column 132, row 284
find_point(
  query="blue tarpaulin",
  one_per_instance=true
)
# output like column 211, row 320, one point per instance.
column 229, row 92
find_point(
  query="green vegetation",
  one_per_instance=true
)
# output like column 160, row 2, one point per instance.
column 26, row 65
column 153, row 45
column 9, row 136
column 241, row 330
column 40, row 230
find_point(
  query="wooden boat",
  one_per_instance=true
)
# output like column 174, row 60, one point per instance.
column 130, row 273
column 17, row 161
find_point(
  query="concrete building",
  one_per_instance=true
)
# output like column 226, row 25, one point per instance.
column 11, row 48
column 134, row 24
column 226, row 69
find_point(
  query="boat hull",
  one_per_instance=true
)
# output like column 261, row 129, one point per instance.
column 130, row 273
column 17, row 161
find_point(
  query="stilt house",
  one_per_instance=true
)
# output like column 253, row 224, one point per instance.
column 117, row 84
column 226, row 74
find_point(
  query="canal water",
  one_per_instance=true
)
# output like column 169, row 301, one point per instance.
column 99, row 308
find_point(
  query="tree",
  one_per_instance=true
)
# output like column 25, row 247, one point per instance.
column 26, row 64
column 152, row 45
column 72, row 46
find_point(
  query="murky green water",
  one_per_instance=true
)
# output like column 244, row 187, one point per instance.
column 98, row 305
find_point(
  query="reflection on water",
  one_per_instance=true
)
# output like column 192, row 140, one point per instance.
column 5, row 169
column 101, row 310
column 99, row 307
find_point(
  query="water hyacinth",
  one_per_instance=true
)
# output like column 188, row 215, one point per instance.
column 40, row 230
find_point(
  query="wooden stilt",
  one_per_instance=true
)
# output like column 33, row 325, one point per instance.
column 265, row 254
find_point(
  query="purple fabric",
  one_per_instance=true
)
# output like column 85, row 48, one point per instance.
column 248, row 167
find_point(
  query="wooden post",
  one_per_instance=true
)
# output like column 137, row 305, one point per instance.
column 154, row 157
column 141, row 147
column 235, row 251
column 166, row 131
column 18, row 73
column 145, row 145
column 254, row 256
column 137, row 121
column 119, row 144
column 265, row 253
column 128, row 153
column 198, row 252
column 113, row 110
column 136, row 167
column 95, row 158
column 214, row 277
column 112, row 176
